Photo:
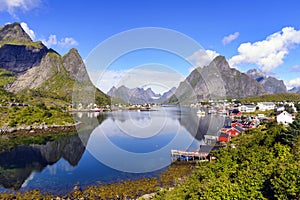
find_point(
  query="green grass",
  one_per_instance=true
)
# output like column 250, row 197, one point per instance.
column 273, row 98
column 263, row 166
column 6, row 77
column 34, row 115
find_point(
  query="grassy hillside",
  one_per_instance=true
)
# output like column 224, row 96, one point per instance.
column 273, row 97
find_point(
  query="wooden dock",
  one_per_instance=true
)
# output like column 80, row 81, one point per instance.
column 178, row 155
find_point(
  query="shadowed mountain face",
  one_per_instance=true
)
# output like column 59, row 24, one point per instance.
column 20, row 58
column 270, row 84
column 18, row 52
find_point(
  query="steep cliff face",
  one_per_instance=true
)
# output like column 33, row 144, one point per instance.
column 18, row 52
column 20, row 58
column 270, row 84
column 41, row 71
column 36, row 76
column 217, row 80
column 73, row 63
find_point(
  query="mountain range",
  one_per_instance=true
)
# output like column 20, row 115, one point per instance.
column 270, row 84
column 217, row 80
column 295, row 90
column 40, row 71
column 138, row 95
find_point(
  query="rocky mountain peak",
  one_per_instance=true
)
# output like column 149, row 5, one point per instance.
column 205, row 83
column 221, row 63
column 73, row 63
column 295, row 90
column 270, row 84
column 256, row 74
column 14, row 33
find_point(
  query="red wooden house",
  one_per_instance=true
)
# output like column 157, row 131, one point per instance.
column 235, row 131
column 223, row 137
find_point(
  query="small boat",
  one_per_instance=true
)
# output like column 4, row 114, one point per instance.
column 95, row 110
column 200, row 113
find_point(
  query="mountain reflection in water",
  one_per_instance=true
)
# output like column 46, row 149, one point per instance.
column 18, row 164
column 55, row 166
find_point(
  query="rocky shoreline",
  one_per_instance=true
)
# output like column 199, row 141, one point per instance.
column 36, row 130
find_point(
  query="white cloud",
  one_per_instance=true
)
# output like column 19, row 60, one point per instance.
column 11, row 6
column 64, row 42
column 293, row 83
column 51, row 41
column 228, row 39
column 67, row 42
column 28, row 30
column 202, row 58
column 269, row 53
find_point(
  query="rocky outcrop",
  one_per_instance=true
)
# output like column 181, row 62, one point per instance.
column 73, row 63
column 270, row 84
column 217, row 80
column 13, row 33
column 36, row 76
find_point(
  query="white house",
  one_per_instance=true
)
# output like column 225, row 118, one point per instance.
column 285, row 118
column 263, row 106
column 280, row 109
column 247, row 108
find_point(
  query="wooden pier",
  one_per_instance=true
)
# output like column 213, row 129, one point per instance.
column 178, row 155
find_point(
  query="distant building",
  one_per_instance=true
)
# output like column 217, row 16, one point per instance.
column 285, row 118
column 280, row 109
column 223, row 137
column 247, row 108
column 263, row 106
column 235, row 113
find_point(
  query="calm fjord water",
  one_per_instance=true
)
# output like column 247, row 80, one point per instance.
column 110, row 147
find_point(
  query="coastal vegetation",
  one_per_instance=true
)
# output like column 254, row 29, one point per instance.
column 264, row 165
column 291, row 97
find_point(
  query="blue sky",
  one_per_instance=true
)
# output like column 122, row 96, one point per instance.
column 250, row 34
